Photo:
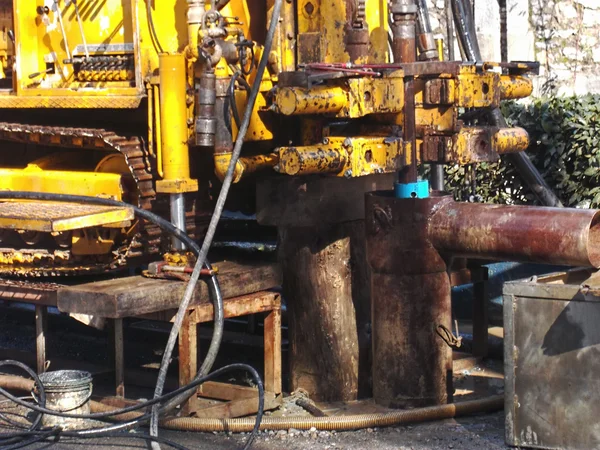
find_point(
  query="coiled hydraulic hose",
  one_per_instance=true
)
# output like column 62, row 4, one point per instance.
column 213, row 285
column 127, row 413
column 467, row 37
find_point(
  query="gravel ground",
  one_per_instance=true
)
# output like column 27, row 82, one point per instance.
column 470, row 433
column 474, row 433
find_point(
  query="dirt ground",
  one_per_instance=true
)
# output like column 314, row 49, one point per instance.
column 472, row 380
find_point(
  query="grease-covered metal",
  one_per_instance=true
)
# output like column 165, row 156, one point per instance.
column 67, row 391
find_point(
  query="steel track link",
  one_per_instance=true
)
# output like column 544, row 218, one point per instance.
column 147, row 240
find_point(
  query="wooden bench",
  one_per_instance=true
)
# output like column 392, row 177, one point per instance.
column 245, row 288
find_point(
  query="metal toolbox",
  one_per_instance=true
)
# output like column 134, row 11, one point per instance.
column 552, row 361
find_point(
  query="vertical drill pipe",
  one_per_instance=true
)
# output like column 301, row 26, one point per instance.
column 564, row 236
column 410, row 299
column 205, row 110
column 408, row 174
column 404, row 13
column 177, row 209
column 449, row 30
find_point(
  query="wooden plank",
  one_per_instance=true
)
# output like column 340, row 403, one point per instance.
column 226, row 391
column 41, row 322
column 188, row 359
column 272, row 330
column 232, row 307
column 133, row 296
column 239, row 408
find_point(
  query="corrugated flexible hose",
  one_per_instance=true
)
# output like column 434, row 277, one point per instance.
column 330, row 423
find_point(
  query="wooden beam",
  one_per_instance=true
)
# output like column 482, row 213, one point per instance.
column 272, row 330
column 134, row 296
column 226, row 391
column 239, row 408
column 188, row 359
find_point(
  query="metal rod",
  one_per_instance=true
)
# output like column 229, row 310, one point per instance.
column 80, row 22
column 62, row 28
column 177, row 218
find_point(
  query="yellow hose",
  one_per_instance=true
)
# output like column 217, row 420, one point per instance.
column 338, row 423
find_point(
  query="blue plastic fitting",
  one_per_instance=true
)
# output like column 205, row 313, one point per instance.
column 420, row 189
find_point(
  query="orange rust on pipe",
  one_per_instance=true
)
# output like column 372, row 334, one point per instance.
column 564, row 236
column 510, row 140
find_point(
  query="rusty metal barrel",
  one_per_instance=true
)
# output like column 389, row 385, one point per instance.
column 564, row 236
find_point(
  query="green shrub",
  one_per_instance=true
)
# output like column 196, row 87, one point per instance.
column 565, row 148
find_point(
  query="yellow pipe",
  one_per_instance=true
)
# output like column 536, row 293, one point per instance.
column 318, row 100
column 150, row 120
column 157, row 118
column 515, row 86
column 245, row 165
column 313, row 159
column 510, row 140
column 174, row 129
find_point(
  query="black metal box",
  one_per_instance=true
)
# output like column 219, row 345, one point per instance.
column 552, row 361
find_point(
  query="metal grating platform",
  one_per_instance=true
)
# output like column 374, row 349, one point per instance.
column 54, row 217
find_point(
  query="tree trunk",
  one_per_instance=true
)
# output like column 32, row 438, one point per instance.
column 323, row 269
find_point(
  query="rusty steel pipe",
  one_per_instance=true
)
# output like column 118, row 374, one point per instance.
column 410, row 299
column 563, row 236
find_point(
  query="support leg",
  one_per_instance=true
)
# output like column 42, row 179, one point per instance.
column 118, row 357
column 188, row 358
column 41, row 313
column 273, row 351
column 480, row 315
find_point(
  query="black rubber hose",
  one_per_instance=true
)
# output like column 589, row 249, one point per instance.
column 220, row 205
column 463, row 18
column 423, row 17
column 41, row 392
column 9, row 438
column 464, row 23
column 117, row 412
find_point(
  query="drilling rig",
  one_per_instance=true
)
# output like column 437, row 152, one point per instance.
column 141, row 101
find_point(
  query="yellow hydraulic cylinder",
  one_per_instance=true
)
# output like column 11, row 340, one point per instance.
column 515, row 86
column 318, row 100
column 174, row 129
column 510, row 140
column 311, row 160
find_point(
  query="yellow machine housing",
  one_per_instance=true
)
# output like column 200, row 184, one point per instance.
column 137, row 101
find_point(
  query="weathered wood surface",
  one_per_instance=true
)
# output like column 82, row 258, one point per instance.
column 322, row 314
column 134, row 296
column 28, row 292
